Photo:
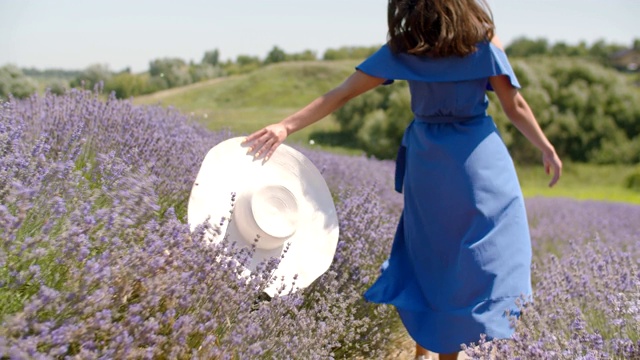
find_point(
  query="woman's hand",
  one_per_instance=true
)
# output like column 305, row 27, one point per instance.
column 552, row 162
column 266, row 140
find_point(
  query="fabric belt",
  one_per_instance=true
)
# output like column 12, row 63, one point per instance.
column 447, row 119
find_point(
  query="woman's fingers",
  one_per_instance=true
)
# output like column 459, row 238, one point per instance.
column 257, row 140
column 249, row 140
column 272, row 149
column 556, row 177
column 557, row 172
column 264, row 142
column 553, row 164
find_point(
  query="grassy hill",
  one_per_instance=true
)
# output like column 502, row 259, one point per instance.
column 244, row 103
column 247, row 102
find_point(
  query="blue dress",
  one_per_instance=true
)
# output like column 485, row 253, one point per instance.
column 461, row 256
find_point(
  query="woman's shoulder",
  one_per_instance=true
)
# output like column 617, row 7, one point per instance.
column 488, row 60
column 483, row 48
column 497, row 43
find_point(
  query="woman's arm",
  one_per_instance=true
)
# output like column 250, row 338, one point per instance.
column 519, row 113
column 266, row 140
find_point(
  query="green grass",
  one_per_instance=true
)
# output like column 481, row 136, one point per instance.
column 246, row 103
column 581, row 181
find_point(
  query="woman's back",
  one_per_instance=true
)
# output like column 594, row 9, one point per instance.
column 453, row 100
column 452, row 86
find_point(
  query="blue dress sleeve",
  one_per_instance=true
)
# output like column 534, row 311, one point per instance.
column 488, row 60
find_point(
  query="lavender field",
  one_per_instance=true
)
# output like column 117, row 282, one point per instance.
column 96, row 261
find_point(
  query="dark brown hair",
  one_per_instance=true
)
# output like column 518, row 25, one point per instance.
column 438, row 28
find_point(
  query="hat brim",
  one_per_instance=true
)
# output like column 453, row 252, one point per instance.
column 228, row 169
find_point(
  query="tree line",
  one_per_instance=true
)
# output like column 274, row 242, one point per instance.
column 587, row 108
column 590, row 112
column 599, row 50
column 163, row 73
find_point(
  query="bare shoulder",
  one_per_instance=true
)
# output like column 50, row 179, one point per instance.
column 496, row 41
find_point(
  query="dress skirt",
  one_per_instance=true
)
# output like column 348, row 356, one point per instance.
column 461, row 256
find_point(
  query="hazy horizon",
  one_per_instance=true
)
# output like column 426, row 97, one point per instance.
column 71, row 35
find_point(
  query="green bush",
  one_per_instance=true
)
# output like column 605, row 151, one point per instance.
column 91, row 76
column 350, row 52
column 243, row 64
column 201, row 72
column 632, row 180
column 13, row 81
column 590, row 113
column 377, row 119
column 275, row 55
column 57, row 86
column 172, row 71
column 126, row 85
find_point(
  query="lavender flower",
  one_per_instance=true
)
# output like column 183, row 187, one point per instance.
column 96, row 260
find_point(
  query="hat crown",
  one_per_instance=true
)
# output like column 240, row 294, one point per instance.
column 268, row 213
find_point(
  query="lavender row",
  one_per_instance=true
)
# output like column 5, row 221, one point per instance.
column 96, row 260
column 586, row 277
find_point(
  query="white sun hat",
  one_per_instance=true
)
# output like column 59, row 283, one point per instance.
column 283, row 202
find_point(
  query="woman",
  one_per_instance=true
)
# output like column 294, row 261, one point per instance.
column 461, row 255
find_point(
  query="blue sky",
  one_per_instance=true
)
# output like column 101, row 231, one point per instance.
column 130, row 33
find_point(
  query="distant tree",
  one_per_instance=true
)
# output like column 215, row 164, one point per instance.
column 560, row 48
column 57, row 86
column 13, row 81
column 126, row 85
column 92, row 75
column 580, row 50
column 243, row 64
column 522, row 47
column 205, row 71
column 307, row 55
column 172, row 71
column 245, row 60
column 162, row 66
column 156, row 83
column 563, row 49
column 275, row 55
column 636, row 44
column 601, row 51
column 211, row 57
column 52, row 73
column 349, row 52
column 377, row 119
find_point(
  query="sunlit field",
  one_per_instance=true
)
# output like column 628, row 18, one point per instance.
column 96, row 260
column 247, row 102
